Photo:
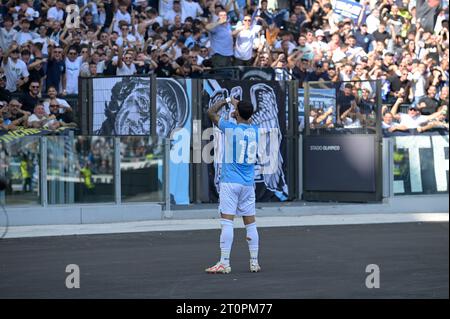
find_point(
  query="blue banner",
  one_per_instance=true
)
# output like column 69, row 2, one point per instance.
column 347, row 9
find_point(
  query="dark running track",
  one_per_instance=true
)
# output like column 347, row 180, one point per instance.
column 298, row 262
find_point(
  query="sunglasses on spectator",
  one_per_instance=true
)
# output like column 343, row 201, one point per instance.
column 34, row 86
column 15, row 51
column 54, row 105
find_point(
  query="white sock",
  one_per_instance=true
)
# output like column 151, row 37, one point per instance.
column 226, row 241
column 253, row 241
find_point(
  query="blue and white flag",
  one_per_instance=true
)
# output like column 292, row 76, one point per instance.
column 348, row 9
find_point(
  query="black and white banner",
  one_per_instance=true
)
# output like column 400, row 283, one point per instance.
column 421, row 164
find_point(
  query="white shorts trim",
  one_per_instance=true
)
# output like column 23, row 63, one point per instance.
column 237, row 199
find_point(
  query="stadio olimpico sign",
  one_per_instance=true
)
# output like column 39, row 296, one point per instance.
column 421, row 164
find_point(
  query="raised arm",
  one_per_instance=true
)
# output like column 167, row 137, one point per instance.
column 214, row 110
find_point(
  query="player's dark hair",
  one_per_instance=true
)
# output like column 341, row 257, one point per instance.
column 245, row 109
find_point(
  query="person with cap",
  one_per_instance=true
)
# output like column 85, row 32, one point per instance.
column 413, row 118
column 319, row 45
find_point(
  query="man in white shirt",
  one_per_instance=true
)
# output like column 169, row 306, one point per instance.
column 7, row 33
column 41, row 119
column 165, row 6
column 413, row 119
column 25, row 35
column 191, row 9
column 15, row 69
column 373, row 21
column 73, row 67
column 56, row 13
column 125, row 39
column 245, row 36
column 125, row 65
column 121, row 15
column 52, row 93
column 419, row 80
column 176, row 11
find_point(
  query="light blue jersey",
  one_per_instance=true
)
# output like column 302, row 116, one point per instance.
column 240, row 150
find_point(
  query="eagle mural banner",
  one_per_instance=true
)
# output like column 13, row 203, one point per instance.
column 269, row 101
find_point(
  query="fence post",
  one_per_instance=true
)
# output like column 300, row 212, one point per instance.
column 117, row 175
column 43, row 167
column 388, row 168
column 167, row 213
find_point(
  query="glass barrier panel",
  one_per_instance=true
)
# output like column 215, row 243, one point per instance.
column 141, row 169
column 20, row 166
column 80, row 169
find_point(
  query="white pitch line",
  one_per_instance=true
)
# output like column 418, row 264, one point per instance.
column 200, row 224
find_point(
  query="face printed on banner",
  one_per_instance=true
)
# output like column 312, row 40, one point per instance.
column 172, row 106
column 122, row 107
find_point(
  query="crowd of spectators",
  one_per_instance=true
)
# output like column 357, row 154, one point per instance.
column 46, row 45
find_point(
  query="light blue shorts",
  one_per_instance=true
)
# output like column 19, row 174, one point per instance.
column 237, row 199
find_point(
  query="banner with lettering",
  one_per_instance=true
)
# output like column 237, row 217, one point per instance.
column 421, row 164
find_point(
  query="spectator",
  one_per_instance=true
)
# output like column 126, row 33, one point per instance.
column 52, row 94
column 56, row 13
column 5, row 95
column 166, row 68
column 221, row 41
column 72, row 70
column 62, row 114
column 439, row 122
column 42, row 120
column 56, row 68
column 7, row 33
column 390, row 125
column 16, row 116
column 37, row 73
column 31, row 97
column 245, row 37
column 121, row 14
column 413, row 119
column 15, row 69
column 125, row 65
column 24, row 35
column 319, row 73
column 429, row 103
column 345, row 99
